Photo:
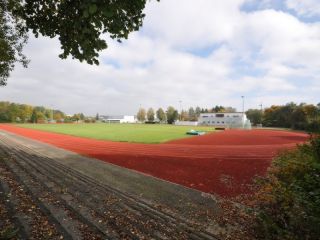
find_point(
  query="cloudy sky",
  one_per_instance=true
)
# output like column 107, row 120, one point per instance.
column 200, row 52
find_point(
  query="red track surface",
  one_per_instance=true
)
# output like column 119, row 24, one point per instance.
column 223, row 163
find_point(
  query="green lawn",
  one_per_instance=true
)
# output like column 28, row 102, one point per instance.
column 143, row 133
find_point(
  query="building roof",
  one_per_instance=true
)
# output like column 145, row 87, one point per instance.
column 115, row 117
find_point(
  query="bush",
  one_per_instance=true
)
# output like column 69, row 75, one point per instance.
column 287, row 204
column 150, row 122
column 314, row 126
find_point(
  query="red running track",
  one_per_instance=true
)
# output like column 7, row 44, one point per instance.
column 223, row 163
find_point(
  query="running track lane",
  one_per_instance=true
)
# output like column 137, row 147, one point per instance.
column 223, row 163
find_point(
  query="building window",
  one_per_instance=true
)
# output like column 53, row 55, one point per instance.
column 219, row 115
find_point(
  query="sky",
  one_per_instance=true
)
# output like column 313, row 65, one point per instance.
column 200, row 52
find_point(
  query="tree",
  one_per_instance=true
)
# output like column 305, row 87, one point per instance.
column 184, row 115
column 14, row 112
column 229, row 109
column 58, row 115
column 141, row 115
column 299, row 119
column 13, row 36
column 161, row 115
column 81, row 116
column 150, row 115
column 25, row 112
column 279, row 116
column 76, row 117
column 40, row 116
column 311, row 111
column 34, row 116
column 255, row 116
column 97, row 117
column 198, row 111
column 48, row 113
column 172, row 114
column 79, row 26
column 4, row 113
column 192, row 114
column 218, row 109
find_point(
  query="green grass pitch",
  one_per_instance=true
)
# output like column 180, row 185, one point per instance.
column 142, row 133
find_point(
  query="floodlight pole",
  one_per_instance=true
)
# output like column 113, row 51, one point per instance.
column 51, row 113
column 180, row 102
column 261, row 113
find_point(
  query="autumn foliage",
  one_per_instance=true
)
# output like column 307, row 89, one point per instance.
column 287, row 204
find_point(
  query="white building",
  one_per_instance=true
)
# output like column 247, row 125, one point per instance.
column 117, row 119
column 225, row 120
column 186, row 123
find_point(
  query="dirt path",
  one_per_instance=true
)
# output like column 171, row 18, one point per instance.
column 45, row 199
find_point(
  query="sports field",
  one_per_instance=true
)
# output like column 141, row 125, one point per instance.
column 223, row 163
column 139, row 133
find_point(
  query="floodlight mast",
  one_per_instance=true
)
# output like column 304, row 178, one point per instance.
column 261, row 113
column 51, row 113
column 180, row 102
column 242, row 111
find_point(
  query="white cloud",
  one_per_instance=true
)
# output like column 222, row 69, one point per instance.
column 190, row 24
column 308, row 8
column 202, row 53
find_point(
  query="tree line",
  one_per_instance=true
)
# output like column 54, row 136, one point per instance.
column 171, row 114
column 296, row 116
column 23, row 113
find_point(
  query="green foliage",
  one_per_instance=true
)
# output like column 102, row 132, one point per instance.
column 218, row 109
column 287, row 204
column 13, row 112
column 172, row 115
column 161, row 115
column 80, row 24
column 300, row 117
column 192, row 114
column 184, row 116
column 254, row 115
column 33, row 117
column 198, row 111
column 141, row 115
column 77, row 117
column 8, row 233
column 13, row 36
column 150, row 115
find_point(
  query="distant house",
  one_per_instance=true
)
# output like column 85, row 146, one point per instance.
column 225, row 120
column 117, row 119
